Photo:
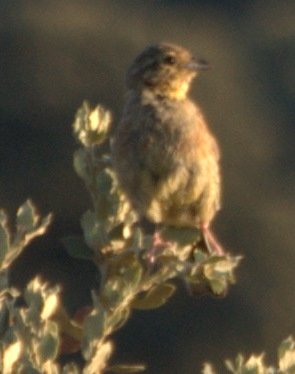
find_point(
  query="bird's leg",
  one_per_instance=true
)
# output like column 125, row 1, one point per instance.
column 157, row 244
column 211, row 242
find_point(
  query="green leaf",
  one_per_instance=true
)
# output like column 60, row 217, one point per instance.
column 155, row 297
column 113, row 290
column 218, row 286
column 230, row 366
column 94, row 326
column 286, row 353
column 10, row 356
column 76, row 247
column 81, row 117
column 220, row 268
column 286, row 345
column 133, row 274
column 226, row 265
column 94, row 234
column 27, row 216
column 91, row 126
column 121, row 369
column 104, row 181
column 80, row 164
column 28, row 226
column 199, row 256
column 48, row 347
column 34, row 299
column 254, row 365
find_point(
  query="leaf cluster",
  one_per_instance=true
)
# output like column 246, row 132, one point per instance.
column 36, row 333
column 256, row 365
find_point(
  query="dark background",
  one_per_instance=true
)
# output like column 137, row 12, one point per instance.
column 55, row 54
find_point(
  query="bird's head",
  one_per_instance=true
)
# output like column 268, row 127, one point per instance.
column 165, row 69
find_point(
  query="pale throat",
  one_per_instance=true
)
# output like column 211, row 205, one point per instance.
column 179, row 91
column 173, row 90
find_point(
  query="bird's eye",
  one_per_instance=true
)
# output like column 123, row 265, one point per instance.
column 169, row 60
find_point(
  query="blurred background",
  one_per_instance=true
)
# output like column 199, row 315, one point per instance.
column 55, row 54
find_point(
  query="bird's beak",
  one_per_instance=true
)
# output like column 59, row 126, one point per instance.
column 200, row 64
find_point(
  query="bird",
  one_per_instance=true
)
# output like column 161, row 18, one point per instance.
column 163, row 153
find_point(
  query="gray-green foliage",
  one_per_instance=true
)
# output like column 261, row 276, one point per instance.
column 33, row 336
column 256, row 365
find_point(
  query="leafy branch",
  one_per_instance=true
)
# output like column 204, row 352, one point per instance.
column 35, row 334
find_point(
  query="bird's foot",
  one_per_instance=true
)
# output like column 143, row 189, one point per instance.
column 157, row 245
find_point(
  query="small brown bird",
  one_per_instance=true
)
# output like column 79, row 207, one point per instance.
column 166, row 159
